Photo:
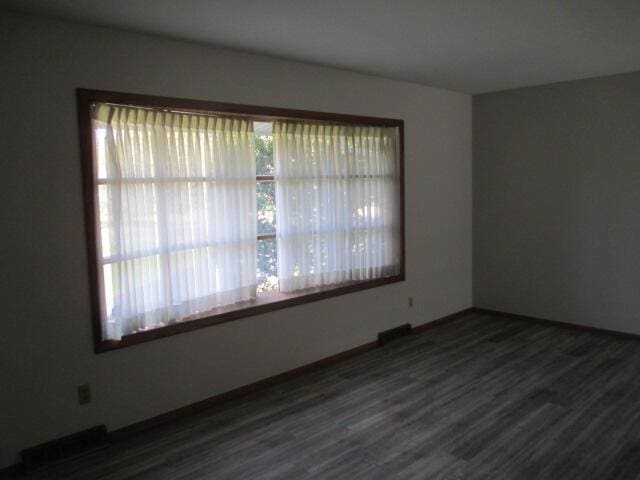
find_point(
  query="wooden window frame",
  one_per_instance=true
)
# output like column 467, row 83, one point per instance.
column 266, row 302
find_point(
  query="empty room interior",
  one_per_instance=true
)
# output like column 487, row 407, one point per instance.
column 355, row 239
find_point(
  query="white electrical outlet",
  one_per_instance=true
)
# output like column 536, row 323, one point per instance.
column 84, row 394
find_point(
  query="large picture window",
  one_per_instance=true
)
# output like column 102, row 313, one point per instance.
column 200, row 212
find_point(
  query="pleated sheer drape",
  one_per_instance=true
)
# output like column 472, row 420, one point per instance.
column 337, row 197
column 177, row 232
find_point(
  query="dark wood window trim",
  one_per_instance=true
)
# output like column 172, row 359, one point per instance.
column 266, row 302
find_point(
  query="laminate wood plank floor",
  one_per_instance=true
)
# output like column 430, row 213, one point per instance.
column 481, row 397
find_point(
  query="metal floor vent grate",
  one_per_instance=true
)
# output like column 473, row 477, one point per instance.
column 394, row 333
column 64, row 447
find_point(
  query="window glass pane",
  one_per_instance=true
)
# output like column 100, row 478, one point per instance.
column 264, row 155
column 107, row 280
column 267, row 269
column 106, row 220
column 266, row 208
column 100, row 151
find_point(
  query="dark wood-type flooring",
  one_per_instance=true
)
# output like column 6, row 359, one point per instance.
column 481, row 397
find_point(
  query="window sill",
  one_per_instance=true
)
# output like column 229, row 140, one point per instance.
column 266, row 302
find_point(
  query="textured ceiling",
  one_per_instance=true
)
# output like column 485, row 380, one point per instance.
column 465, row 45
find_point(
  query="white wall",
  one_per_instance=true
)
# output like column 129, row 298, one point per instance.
column 556, row 199
column 45, row 341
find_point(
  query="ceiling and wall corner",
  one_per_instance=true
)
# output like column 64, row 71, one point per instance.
column 463, row 45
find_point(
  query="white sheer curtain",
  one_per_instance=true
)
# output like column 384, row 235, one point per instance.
column 337, row 198
column 177, row 201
